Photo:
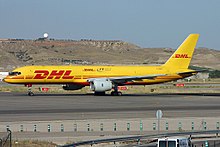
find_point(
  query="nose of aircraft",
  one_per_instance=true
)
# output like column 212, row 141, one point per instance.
column 6, row 79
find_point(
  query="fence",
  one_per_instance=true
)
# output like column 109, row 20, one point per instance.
column 5, row 140
column 114, row 125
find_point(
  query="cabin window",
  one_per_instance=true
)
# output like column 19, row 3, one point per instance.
column 15, row 73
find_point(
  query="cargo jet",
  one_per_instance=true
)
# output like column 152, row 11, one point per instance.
column 106, row 78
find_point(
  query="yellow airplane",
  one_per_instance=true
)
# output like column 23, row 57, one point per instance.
column 105, row 78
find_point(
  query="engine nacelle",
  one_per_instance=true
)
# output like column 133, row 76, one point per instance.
column 72, row 87
column 101, row 85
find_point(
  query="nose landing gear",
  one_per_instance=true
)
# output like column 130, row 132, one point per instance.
column 29, row 86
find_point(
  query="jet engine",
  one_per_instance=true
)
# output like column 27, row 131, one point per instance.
column 72, row 87
column 101, row 85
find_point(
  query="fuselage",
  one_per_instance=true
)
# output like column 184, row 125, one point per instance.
column 80, row 74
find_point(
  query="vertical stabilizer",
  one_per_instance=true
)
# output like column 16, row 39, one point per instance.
column 182, row 56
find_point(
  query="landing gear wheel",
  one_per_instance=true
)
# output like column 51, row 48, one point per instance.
column 119, row 93
column 30, row 93
column 116, row 93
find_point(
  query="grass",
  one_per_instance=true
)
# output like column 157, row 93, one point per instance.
column 32, row 143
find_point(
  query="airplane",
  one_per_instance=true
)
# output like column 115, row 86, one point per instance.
column 105, row 78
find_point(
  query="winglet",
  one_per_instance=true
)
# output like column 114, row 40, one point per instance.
column 183, row 55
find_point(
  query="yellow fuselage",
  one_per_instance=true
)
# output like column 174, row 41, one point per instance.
column 80, row 74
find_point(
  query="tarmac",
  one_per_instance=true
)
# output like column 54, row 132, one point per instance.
column 75, row 117
column 20, row 107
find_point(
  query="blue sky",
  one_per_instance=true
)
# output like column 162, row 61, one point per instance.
column 147, row 23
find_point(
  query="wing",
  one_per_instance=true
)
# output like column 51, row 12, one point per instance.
column 124, row 79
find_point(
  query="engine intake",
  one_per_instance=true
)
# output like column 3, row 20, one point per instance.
column 101, row 85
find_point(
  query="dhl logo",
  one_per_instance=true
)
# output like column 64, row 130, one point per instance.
column 54, row 74
column 181, row 56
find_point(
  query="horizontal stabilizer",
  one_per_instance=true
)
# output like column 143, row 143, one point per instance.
column 192, row 72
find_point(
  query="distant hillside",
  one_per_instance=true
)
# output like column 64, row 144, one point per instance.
column 14, row 53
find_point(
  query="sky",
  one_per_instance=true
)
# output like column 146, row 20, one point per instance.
column 146, row 23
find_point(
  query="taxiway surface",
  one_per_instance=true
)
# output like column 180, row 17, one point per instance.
column 20, row 107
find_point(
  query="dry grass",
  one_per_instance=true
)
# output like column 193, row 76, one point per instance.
column 33, row 143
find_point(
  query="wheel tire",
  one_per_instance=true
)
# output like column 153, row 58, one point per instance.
column 119, row 93
column 30, row 93
column 114, row 93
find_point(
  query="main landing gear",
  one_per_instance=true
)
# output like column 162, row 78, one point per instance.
column 29, row 86
column 116, row 92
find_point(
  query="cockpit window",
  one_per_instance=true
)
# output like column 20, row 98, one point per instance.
column 15, row 73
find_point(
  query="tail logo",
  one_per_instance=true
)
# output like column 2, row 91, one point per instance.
column 181, row 56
